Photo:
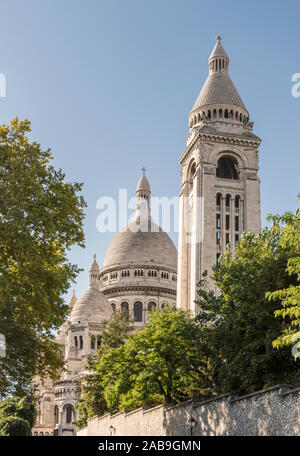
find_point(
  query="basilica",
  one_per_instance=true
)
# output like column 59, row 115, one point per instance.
column 219, row 200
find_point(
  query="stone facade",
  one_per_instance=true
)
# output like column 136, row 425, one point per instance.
column 78, row 337
column 271, row 412
column 220, row 188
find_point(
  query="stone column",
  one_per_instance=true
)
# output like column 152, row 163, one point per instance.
column 223, row 224
column 242, row 216
column 232, row 224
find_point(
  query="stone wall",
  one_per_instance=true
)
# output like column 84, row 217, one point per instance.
column 273, row 411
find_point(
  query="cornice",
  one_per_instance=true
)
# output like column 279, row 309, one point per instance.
column 122, row 290
column 221, row 138
column 148, row 266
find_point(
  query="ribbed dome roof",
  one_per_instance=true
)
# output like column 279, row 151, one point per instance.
column 141, row 247
column 143, row 183
column 218, row 89
column 142, row 241
column 91, row 306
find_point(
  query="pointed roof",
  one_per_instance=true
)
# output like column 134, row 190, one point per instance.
column 218, row 87
column 92, row 306
column 143, row 183
column 218, row 50
column 94, row 266
column 72, row 300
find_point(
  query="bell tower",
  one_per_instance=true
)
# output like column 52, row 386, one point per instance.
column 220, row 188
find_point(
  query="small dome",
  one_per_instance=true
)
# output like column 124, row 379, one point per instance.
column 143, row 183
column 94, row 266
column 92, row 306
column 218, row 50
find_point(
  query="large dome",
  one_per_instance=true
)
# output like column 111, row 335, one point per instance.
column 141, row 247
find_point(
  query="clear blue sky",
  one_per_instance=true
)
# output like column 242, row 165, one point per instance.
column 108, row 86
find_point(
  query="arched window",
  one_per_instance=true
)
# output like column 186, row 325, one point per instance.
column 80, row 342
column 227, row 168
column 113, row 306
column 237, row 202
column 228, row 198
column 125, row 306
column 151, row 305
column 93, row 340
column 192, row 171
column 98, row 341
column 138, row 311
column 218, row 201
column 68, row 412
column 75, row 341
column 56, row 415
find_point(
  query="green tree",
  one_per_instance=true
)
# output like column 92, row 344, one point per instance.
column 41, row 218
column 158, row 364
column 17, row 416
column 114, row 333
column 288, row 230
column 238, row 326
column 14, row 426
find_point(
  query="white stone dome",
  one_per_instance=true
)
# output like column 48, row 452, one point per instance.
column 92, row 306
column 142, row 242
column 153, row 247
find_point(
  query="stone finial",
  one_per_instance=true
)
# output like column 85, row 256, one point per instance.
column 219, row 38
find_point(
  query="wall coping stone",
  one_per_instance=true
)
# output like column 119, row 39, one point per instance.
column 130, row 412
column 147, row 410
column 263, row 391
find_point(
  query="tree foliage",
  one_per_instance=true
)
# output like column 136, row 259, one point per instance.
column 114, row 333
column 159, row 364
column 288, row 231
column 17, row 416
column 14, row 426
column 238, row 326
column 41, row 218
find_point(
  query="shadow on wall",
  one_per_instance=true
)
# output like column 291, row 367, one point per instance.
column 272, row 412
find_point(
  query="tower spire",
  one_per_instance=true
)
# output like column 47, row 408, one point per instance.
column 143, row 192
column 94, row 272
column 218, row 60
